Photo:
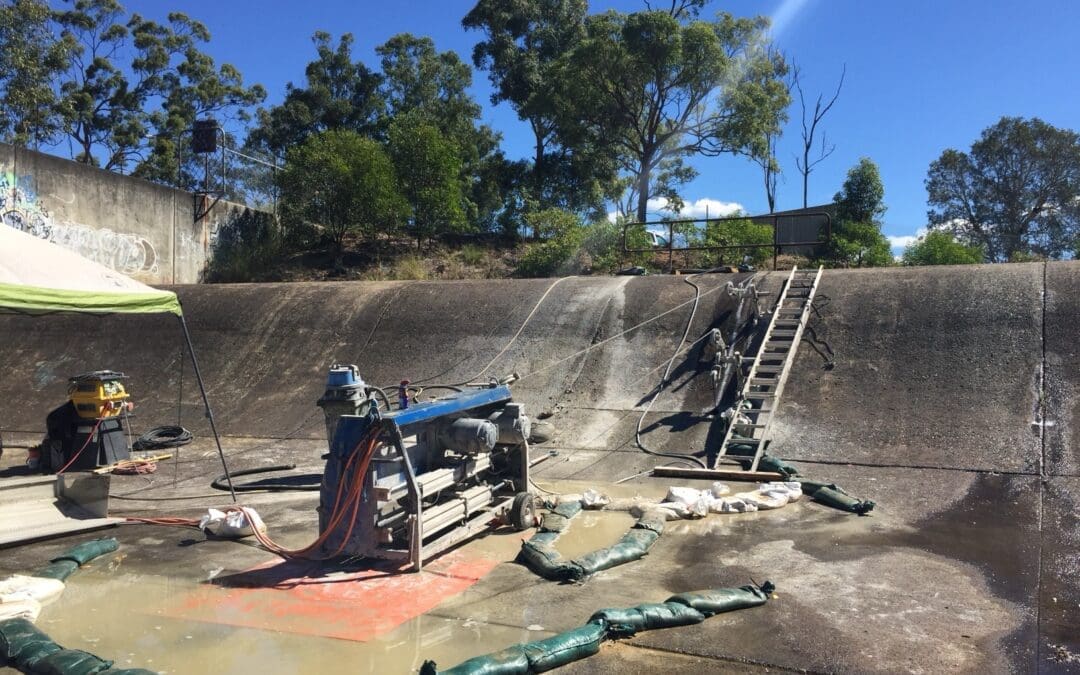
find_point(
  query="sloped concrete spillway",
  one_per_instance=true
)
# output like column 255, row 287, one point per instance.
column 949, row 400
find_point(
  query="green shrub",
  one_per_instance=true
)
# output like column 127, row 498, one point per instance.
column 246, row 246
column 604, row 243
column 410, row 268
column 471, row 254
column 562, row 233
column 941, row 248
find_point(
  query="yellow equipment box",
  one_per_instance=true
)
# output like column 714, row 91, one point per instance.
column 98, row 394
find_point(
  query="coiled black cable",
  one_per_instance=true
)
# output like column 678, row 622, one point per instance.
column 163, row 437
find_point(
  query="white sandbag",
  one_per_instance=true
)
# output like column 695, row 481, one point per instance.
column 733, row 504
column 771, row 499
column 682, row 495
column 700, row 508
column 792, row 489
column 27, row 608
column 629, row 504
column 719, row 489
column 669, row 514
column 594, row 500
column 670, row 510
column 19, row 587
column 232, row 524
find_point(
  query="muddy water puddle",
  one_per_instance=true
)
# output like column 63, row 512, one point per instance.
column 170, row 621
column 126, row 618
column 590, row 530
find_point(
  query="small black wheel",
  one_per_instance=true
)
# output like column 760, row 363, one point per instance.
column 522, row 513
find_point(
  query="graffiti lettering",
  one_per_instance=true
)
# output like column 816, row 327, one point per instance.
column 21, row 209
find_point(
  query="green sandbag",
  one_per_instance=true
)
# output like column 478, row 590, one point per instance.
column 632, row 546
column 564, row 648
column 626, row 622
column 510, row 661
column 71, row 662
column 553, row 522
column 770, row 463
column 22, row 645
column 720, row 600
column 568, row 509
column 545, row 539
column 546, row 562
column 809, row 487
column 651, row 521
column 843, row 501
column 88, row 550
column 61, row 569
column 63, row 566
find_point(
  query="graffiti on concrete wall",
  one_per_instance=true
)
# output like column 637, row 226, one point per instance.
column 20, row 208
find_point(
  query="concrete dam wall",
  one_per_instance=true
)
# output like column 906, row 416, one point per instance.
column 141, row 229
column 946, row 395
column 942, row 367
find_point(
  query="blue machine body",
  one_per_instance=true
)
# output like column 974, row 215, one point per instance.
column 411, row 448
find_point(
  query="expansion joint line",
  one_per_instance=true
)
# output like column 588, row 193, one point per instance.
column 727, row 659
column 1042, row 471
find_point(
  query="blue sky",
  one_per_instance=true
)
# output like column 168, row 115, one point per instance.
column 922, row 76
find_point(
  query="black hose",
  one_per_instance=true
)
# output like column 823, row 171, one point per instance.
column 382, row 394
column 160, row 438
column 220, row 483
column 664, row 382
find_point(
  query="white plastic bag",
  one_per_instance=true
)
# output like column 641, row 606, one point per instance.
column 594, row 500
column 231, row 525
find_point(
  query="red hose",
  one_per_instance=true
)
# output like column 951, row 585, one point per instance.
column 89, row 438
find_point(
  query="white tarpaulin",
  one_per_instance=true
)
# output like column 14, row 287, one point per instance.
column 37, row 276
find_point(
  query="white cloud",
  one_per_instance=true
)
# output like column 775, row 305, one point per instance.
column 696, row 210
column 713, row 208
column 904, row 240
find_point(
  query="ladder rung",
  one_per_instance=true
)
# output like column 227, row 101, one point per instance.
column 782, row 333
column 760, row 394
column 744, row 441
column 769, row 369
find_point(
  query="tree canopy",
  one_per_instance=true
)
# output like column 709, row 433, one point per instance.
column 120, row 88
column 938, row 247
column 343, row 182
column 339, row 93
column 1015, row 193
column 523, row 43
column 659, row 87
column 856, row 239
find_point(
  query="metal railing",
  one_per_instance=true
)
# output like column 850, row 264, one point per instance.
column 819, row 222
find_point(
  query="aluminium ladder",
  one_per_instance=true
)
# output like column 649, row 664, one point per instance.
column 753, row 411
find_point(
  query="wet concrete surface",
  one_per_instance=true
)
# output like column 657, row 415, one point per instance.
column 950, row 404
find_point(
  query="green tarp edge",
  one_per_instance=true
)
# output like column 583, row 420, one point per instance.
column 37, row 300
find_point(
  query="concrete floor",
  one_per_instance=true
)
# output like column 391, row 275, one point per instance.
column 949, row 403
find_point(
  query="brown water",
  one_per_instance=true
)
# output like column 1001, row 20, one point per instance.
column 147, row 620
column 123, row 618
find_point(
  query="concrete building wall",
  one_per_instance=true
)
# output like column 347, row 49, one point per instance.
column 133, row 226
